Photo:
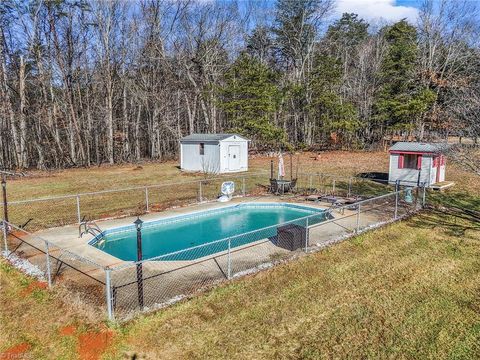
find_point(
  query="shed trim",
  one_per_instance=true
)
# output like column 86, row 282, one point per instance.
column 412, row 152
column 423, row 147
column 211, row 138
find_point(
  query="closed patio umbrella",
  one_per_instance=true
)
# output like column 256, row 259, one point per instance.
column 281, row 167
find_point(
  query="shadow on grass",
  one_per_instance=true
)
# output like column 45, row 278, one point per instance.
column 369, row 188
column 380, row 177
column 454, row 212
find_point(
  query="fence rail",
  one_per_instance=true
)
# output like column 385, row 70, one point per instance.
column 63, row 210
column 181, row 273
column 70, row 209
column 55, row 265
column 124, row 290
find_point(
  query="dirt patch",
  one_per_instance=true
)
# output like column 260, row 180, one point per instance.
column 15, row 352
column 16, row 233
column 92, row 345
column 345, row 163
column 159, row 207
column 36, row 285
column 133, row 211
column 68, row 330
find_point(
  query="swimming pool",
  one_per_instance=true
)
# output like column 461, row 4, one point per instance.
column 199, row 229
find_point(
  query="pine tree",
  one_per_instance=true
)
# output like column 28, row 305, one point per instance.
column 333, row 115
column 260, row 45
column 345, row 34
column 250, row 99
column 401, row 101
column 295, row 29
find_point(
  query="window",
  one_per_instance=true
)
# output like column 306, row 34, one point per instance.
column 410, row 161
column 202, row 149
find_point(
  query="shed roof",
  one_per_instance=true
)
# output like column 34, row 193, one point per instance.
column 419, row 147
column 208, row 137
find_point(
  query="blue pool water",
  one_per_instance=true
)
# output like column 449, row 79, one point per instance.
column 178, row 233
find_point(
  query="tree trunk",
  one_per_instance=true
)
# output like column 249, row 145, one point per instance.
column 23, row 119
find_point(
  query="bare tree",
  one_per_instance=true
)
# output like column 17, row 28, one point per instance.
column 84, row 82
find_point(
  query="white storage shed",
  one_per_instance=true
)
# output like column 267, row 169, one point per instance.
column 414, row 163
column 214, row 153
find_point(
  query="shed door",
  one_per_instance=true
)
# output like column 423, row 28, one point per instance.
column 233, row 157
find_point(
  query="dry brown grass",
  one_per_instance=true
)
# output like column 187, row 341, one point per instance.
column 396, row 292
column 409, row 290
column 71, row 181
column 182, row 191
column 31, row 314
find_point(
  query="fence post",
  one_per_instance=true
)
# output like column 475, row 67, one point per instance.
column 4, row 197
column 417, row 197
column 424, row 195
column 146, row 199
column 229, row 260
column 333, row 187
column 349, row 187
column 397, row 189
column 395, row 215
column 108, row 290
column 310, row 183
column 358, row 219
column 200, row 191
column 307, row 237
column 244, row 190
column 49, row 272
column 79, row 215
column 5, row 234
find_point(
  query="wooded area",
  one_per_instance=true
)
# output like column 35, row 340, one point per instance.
column 86, row 82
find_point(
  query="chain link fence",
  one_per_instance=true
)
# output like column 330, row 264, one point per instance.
column 127, row 289
column 349, row 220
column 42, row 213
column 82, row 278
column 156, row 282
column 334, row 185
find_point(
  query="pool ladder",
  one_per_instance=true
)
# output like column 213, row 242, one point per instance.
column 89, row 227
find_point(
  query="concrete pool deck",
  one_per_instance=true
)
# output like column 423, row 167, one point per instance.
column 67, row 237
column 170, row 279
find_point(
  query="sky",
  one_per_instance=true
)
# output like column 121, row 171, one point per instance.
column 388, row 10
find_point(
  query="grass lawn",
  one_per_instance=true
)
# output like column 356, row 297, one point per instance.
column 408, row 290
column 39, row 184
column 183, row 188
